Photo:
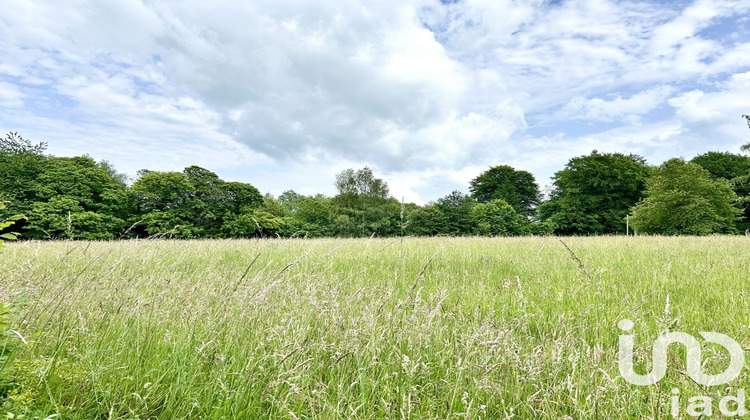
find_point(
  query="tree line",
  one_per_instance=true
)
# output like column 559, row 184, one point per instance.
column 594, row 194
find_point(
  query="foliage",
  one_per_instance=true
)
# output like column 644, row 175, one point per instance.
column 79, row 198
column 13, row 144
column 497, row 218
column 192, row 203
column 51, row 190
column 456, row 208
column 426, row 221
column 681, row 198
column 735, row 169
column 517, row 188
column 7, row 348
column 723, row 164
column 363, row 206
column 6, row 231
column 594, row 193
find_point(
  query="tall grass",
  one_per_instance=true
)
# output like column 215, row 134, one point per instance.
column 371, row 328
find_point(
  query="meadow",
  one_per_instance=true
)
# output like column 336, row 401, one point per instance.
column 477, row 328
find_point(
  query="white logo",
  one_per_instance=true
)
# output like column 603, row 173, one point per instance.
column 694, row 359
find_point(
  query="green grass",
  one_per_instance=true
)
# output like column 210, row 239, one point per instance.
column 336, row 329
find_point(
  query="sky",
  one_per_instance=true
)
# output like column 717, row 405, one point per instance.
column 284, row 94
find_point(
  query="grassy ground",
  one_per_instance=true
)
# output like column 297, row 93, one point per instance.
column 489, row 328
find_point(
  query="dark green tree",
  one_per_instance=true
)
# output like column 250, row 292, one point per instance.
column 427, row 220
column 723, row 164
column 594, row 193
column 517, row 188
column 76, row 198
column 735, row 169
column 456, row 208
column 681, row 198
column 21, row 163
column 7, row 231
column 192, row 203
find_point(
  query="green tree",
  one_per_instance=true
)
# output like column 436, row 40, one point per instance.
column 681, row 198
column 162, row 203
column 456, row 208
column 6, row 225
column 594, row 193
column 13, row 144
column 310, row 215
column 734, row 168
column 517, row 188
column 363, row 206
column 497, row 218
column 240, row 196
column 723, row 164
column 192, row 203
column 76, row 198
column 428, row 220
column 63, row 196
column 21, row 162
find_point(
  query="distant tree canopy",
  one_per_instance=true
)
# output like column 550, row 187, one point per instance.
column 735, row 169
column 193, row 203
column 79, row 198
column 723, row 164
column 62, row 197
column 497, row 218
column 594, row 193
column 517, row 188
column 681, row 198
column 363, row 205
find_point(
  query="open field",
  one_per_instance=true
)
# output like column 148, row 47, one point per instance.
column 490, row 328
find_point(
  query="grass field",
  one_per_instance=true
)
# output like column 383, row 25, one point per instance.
column 379, row 328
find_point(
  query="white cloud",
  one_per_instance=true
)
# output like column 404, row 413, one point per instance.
column 713, row 119
column 598, row 109
column 427, row 93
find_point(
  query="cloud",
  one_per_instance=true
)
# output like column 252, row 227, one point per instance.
column 618, row 108
column 712, row 118
column 429, row 93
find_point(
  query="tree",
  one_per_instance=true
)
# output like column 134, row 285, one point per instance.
column 735, row 169
column 7, row 231
column 311, row 215
column 746, row 146
column 191, row 203
column 497, row 218
column 456, row 209
column 723, row 164
column 594, row 193
column 361, row 183
column 517, row 188
column 74, row 198
column 363, row 206
column 426, row 221
column 681, row 198
column 20, row 165
column 240, row 196
column 13, row 144
column 116, row 176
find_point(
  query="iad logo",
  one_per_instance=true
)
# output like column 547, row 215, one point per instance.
column 694, row 359
column 699, row 405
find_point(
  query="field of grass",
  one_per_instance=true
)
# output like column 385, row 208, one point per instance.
column 379, row 328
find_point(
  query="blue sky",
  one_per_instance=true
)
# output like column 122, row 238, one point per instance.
column 284, row 93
